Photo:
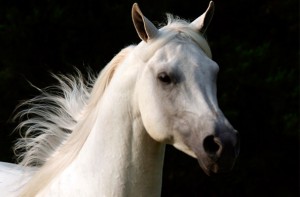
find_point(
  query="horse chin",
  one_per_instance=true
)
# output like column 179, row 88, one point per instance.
column 213, row 167
column 210, row 168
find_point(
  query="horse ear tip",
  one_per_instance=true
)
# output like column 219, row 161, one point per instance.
column 211, row 4
column 136, row 8
column 135, row 5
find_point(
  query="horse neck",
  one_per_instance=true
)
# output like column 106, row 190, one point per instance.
column 118, row 158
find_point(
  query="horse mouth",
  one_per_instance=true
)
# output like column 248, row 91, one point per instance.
column 209, row 169
column 214, row 165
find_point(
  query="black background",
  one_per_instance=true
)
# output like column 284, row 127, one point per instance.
column 254, row 42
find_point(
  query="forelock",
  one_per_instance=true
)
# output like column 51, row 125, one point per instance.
column 174, row 26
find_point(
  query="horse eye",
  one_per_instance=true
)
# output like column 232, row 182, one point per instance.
column 164, row 77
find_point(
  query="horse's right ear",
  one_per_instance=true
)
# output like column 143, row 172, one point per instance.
column 202, row 22
column 145, row 28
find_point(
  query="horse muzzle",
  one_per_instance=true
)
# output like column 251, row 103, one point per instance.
column 218, row 151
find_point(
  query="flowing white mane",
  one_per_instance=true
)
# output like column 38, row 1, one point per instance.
column 51, row 117
column 54, row 123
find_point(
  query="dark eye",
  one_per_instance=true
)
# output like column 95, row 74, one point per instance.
column 164, row 77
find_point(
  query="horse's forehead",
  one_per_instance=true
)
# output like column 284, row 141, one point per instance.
column 183, row 55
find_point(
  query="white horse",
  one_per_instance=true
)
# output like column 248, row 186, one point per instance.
column 107, row 137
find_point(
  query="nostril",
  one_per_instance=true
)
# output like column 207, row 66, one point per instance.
column 210, row 145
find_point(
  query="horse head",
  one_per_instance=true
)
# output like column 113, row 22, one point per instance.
column 176, row 93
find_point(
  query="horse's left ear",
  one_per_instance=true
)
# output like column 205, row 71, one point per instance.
column 202, row 22
column 145, row 28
